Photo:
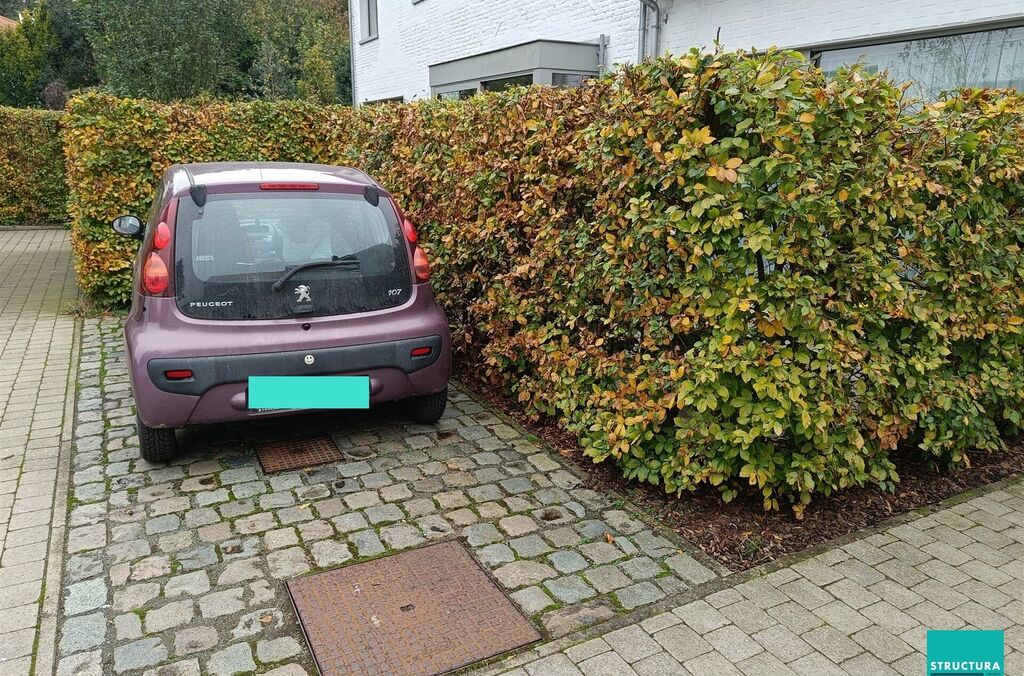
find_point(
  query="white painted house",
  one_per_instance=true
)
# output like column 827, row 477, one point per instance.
column 409, row 49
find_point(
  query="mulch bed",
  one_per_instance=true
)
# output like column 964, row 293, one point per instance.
column 740, row 534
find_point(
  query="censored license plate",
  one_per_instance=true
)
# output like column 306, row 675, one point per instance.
column 302, row 392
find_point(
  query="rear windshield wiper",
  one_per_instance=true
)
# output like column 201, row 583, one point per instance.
column 349, row 261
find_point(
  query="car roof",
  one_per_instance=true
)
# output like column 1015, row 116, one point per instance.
column 241, row 173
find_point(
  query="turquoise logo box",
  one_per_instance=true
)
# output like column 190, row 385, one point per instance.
column 965, row 653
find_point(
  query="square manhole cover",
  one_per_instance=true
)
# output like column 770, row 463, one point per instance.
column 282, row 456
column 425, row 611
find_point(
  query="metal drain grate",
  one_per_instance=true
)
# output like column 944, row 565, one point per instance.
column 281, row 456
column 421, row 612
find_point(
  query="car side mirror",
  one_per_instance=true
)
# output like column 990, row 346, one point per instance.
column 128, row 225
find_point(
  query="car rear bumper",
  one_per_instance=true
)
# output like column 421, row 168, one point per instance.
column 227, row 400
column 222, row 364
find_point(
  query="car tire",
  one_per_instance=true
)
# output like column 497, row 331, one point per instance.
column 428, row 409
column 156, row 445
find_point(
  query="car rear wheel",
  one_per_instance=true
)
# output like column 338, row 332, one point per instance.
column 428, row 408
column 156, row 445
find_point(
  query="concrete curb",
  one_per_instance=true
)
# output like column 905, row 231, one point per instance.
column 46, row 647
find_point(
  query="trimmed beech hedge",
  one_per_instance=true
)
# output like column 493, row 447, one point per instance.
column 32, row 186
column 716, row 269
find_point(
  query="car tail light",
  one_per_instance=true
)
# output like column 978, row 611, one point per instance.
column 409, row 230
column 178, row 374
column 420, row 265
column 155, row 278
column 162, row 236
column 289, row 186
column 157, row 263
column 421, row 351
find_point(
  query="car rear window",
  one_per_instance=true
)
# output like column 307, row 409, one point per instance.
column 231, row 252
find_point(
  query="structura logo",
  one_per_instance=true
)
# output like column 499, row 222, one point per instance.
column 965, row 653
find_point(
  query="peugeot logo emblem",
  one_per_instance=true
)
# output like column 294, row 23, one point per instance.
column 309, row 359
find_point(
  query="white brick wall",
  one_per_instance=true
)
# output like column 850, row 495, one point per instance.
column 810, row 23
column 413, row 36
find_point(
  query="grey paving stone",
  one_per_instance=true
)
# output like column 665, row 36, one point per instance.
column 401, row 536
column 661, row 664
column 689, row 569
column 181, row 668
column 682, row 643
column 523, row 573
column 782, row 643
column 366, row 543
column 532, row 600
column 567, row 561
column 517, row 525
column 384, row 514
column 641, row 568
column 553, row 665
column 198, row 557
column 220, row 603
column 128, row 627
column 347, row 523
column 529, row 546
column 174, row 614
column 330, row 553
column 481, row 534
column 238, row 571
column 236, row 659
column 85, row 596
column 639, row 594
column 601, row 552
column 277, row 650
column 82, row 632
column 607, row 664
column 569, row 589
column 607, row 578
column 287, row 563
column 495, row 555
column 749, row 617
column 572, row 618
column 139, row 654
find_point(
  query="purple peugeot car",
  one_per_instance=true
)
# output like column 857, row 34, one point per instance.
column 253, row 271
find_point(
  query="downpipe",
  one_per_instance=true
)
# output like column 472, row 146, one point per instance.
column 647, row 8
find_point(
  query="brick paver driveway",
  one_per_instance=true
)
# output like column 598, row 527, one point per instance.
column 858, row 608
column 36, row 344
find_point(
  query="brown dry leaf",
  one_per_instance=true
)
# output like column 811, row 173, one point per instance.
column 609, row 538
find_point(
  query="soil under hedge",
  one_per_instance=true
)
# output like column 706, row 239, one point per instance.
column 740, row 534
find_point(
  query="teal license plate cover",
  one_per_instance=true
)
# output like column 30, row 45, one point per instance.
column 309, row 392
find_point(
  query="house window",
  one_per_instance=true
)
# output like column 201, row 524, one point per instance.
column 504, row 83
column 368, row 19
column 993, row 58
column 383, row 102
column 458, row 95
column 569, row 79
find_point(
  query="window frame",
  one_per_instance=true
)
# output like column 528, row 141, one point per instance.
column 815, row 53
column 369, row 30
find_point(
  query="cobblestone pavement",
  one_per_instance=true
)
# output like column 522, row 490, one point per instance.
column 36, row 343
column 185, row 564
column 862, row 608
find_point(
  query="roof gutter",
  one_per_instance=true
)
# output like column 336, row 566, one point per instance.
column 648, row 7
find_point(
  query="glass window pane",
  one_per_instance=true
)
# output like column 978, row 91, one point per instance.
column 569, row 79
column 460, row 95
column 985, row 59
column 504, row 83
